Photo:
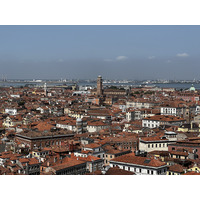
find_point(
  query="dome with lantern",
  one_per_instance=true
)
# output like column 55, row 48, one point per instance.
column 192, row 88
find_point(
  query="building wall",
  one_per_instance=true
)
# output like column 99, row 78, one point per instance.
column 98, row 152
column 179, row 157
column 74, row 170
column 37, row 154
column 117, row 93
column 95, row 128
column 154, row 124
column 131, row 104
column 153, row 146
column 172, row 173
column 141, row 170
column 107, row 158
column 130, row 116
column 168, row 111
column 150, row 123
column 195, row 168
column 174, row 147
column 94, row 166
column 44, row 142
column 33, row 169
column 66, row 126
column 11, row 111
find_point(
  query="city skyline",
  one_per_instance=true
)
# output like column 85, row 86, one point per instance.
column 115, row 52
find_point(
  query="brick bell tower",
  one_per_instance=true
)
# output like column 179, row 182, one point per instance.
column 99, row 86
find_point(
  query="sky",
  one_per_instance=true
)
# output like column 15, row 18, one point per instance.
column 115, row 52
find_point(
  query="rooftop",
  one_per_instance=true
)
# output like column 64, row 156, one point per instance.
column 137, row 160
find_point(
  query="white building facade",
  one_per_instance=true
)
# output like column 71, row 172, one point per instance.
column 140, row 169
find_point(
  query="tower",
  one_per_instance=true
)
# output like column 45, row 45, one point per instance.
column 79, row 126
column 45, row 89
column 99, row 85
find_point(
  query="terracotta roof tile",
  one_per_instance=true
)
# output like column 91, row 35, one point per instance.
column 131, row 158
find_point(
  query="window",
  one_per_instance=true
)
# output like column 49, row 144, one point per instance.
column 159, row 145
column 148, row 145
column 152, row 145
column 147, row 171
column 140, row 170
column 151, row 172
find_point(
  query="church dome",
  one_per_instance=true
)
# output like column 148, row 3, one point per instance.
column 192, row 88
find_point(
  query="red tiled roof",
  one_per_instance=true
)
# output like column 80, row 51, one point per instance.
column 92, row 145
column 89, row 158
column 192, row 173
column 43, row 126
column 176, row 168
column 181, row 153
column 118, row 171
column 131, row 158
column 155, row 138
column 71, row 162
column 164, row 118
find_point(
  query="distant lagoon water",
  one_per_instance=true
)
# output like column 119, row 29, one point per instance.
column 177, row 86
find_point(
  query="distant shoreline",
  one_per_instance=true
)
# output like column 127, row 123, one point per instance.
column 93, row 84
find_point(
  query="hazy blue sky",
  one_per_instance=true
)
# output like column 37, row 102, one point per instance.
column 118, row 52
